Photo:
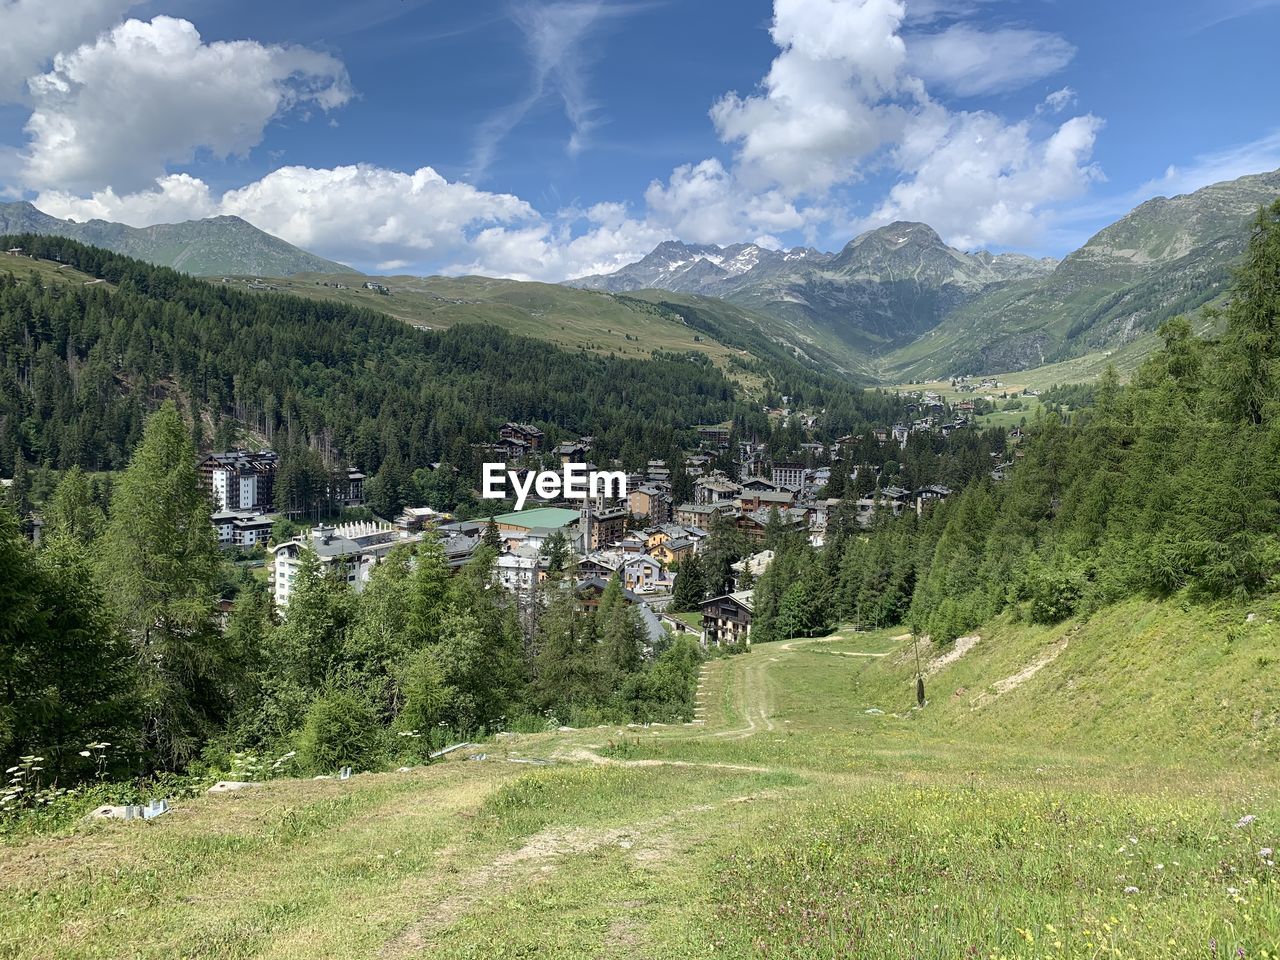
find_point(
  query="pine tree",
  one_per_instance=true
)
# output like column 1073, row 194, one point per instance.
column 688, row 593
column 159, row 563
column 72, row 512
column 1250, row 345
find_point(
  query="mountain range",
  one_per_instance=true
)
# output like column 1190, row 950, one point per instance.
column 895, row 304
column 884, row 289
column 900, row 303
column 211, row 247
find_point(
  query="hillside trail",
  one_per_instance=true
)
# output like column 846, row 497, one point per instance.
column 748, row 709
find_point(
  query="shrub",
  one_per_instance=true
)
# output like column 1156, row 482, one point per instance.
column 341, row 730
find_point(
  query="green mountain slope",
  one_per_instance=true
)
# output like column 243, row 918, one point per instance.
column 1167, row 257
column 218, row 245
column 626, row 325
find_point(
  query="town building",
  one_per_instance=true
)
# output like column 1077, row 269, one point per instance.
column 240, row 479
column 530, row 436
column 350, row 551
column 727, row 619
column 243, row 528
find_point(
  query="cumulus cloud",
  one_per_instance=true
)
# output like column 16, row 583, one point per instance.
column 391, row 220
column 33, row 31
column 706, row 203
column 175, row 197
column 118, row 110
column 978, row 180
column 846, row 95
column 828, row 100
column 968, row 62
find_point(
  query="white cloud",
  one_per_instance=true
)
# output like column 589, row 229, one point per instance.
column 846, row 95
column 829, row 99
column 177, row 196
column 118, row 110
column 1256, row 156
column 980, row 181
column 391, row 220
column 1057, row 101
column 33, row 31
column 705, row 203
column 968, row 62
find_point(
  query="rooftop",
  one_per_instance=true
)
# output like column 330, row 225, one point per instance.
column 550, row 518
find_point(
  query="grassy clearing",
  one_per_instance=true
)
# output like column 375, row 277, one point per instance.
column 1068, row 792
column 565, row 316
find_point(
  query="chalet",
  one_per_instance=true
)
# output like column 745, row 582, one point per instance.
column 509, row 449
column 930, row 494
column 693, row 515
column 673, row 550
column 531, row 436
column 520, row 570
column 634, row 543
column 658, row 470
column 727, row 619
column 753, row 524
column 758, row 485
column 639, row 573
column 764, row 499
column 572, row 451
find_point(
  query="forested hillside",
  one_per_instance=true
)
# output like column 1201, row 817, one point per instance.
column 81, row 366
column 1171, row 484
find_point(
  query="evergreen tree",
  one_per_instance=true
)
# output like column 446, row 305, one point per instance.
column 72, row 513
column 159, row 564
column 688, row 592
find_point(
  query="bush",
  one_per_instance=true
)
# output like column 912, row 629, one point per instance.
column 341, row 730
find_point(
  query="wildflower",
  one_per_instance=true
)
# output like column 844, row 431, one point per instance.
column 1130, row 889
column 1159, row 866
column 1245, row 821
column 1265, row 853
column 86, row 753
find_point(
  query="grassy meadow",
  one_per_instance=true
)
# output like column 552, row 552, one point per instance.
column 1081, row 790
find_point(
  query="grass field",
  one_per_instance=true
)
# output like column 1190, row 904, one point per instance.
column 1069, row 791
column 565, row 316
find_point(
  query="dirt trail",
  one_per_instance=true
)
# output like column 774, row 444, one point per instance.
column 645, row 841
column 1046, row 657
column 959, row 648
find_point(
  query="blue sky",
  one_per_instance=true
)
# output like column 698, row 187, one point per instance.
column 549, row 139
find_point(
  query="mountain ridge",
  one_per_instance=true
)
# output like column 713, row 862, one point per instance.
column 223, row 244
column 899, row 299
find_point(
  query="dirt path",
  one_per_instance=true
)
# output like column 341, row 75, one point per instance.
column 647, row 842
column 1012, row 682
column 959, row 647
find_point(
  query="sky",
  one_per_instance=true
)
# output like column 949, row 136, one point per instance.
column 550, row 139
